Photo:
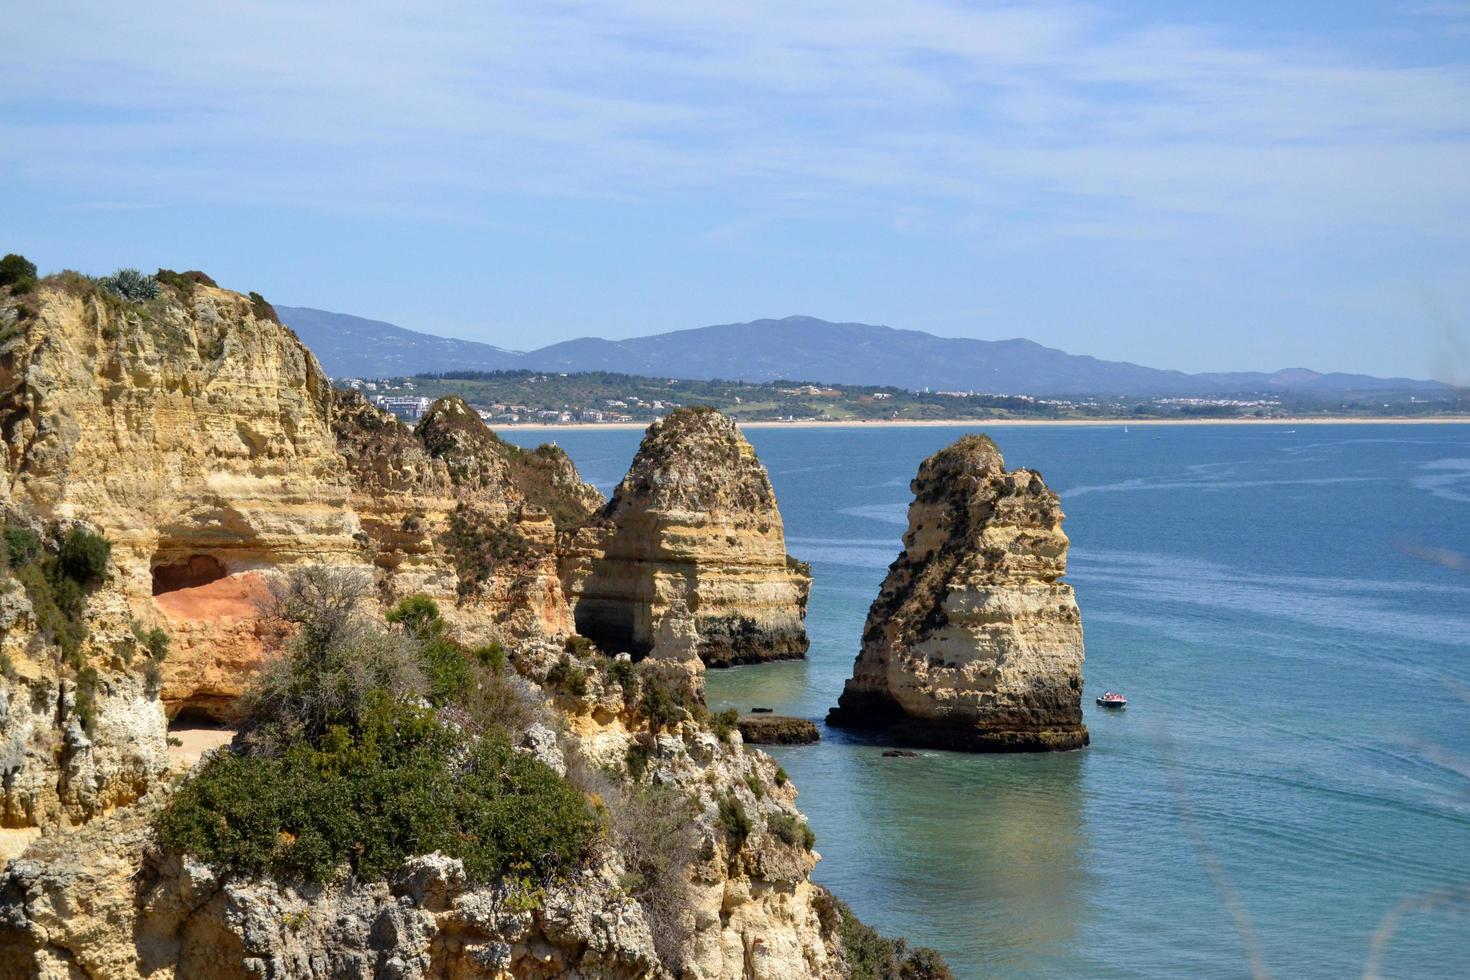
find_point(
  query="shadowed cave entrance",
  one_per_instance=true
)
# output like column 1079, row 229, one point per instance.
column 194, row 571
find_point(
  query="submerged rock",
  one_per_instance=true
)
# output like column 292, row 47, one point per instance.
column 973, row 642
column 695, row 520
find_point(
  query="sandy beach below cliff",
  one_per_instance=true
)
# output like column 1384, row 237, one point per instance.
column 926, row 423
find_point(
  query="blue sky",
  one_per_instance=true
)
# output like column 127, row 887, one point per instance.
column 1204, row 186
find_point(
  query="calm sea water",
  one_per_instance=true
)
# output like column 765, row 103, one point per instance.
column 1294, row 763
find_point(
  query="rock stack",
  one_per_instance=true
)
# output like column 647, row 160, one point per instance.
column 694, row 521
column 974, row 643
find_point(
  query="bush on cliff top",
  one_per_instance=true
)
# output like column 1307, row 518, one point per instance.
column 401, row 784
column 130, row 284
column 17, row 270
column 347, row 758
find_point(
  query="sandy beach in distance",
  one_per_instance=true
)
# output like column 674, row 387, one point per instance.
column 915, row 423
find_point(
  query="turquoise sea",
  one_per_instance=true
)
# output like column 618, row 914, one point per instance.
column 1288, row 610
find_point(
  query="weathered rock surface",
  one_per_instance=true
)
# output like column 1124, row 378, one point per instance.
column 103, row 901
column 452, row 511
column 695, row 520
column 974, row 643
column 778, row 730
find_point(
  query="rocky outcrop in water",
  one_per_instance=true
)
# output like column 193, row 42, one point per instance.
column 778, row 730
column 695, row 520
column 974, row 643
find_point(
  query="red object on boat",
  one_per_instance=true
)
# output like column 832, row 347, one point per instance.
column 1112, row 699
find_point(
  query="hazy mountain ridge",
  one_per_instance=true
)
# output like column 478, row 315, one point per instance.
column 354, row 346
column 802, row 348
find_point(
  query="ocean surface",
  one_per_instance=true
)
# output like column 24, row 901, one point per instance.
column 1288, row 611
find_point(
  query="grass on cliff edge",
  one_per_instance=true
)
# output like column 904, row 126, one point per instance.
column 346, row 758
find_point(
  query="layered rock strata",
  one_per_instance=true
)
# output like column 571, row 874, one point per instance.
column 450, row 510
column 974, row 643
column 695, row 521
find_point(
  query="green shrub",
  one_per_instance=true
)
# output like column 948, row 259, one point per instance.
column 781, row 777
column 184, row 282
column 58, row 605
column 621, row 673
column 640, row 750
column 374, row 799
column 578, row 645
column 261, row 309
column 491, row 656
column 568, row 677
column 733, row 820
column 725, row 723
column 86, row 699
column 154, row 641
column 419, row 614
column 446, row 668
column 754, row 783
column 131, row 285
column 16, row 269
column 872, row 957
column 791, row 830
column 659, row 704
column 84, row 556
column 21, row 545
column 478, row 545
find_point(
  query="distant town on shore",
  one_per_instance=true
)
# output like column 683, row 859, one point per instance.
column 583, row 398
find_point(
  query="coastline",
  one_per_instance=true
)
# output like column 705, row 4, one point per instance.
column 985, row 423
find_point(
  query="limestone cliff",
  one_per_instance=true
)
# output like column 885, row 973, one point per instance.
column 452, row 511
column 695, row 520
column 974, row 642
column 192, row 430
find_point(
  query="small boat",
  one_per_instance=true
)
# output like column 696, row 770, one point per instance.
column 1112, row 699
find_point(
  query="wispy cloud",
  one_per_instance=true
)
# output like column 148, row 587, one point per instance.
column 955, row 109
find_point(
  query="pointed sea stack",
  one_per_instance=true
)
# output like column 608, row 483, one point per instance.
column 973, row 642
column 694, row 521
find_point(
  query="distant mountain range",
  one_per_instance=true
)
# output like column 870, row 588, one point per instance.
column 803, row 348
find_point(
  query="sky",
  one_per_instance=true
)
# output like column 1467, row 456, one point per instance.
column 1201, row 186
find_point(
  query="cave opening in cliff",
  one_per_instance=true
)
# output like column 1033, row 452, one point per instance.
column 194, row 571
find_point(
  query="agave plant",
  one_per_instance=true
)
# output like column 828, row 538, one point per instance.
column 130, row 284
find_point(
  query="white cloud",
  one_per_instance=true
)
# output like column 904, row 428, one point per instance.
column 928, row 106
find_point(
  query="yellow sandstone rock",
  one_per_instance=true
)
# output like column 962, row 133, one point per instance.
column 974, row 642
column 694, row 521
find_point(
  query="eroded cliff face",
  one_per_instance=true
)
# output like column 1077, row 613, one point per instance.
column 974, row 642
column 451, row 511
column 193, row 431
column 695, row 520
column 74, row 743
